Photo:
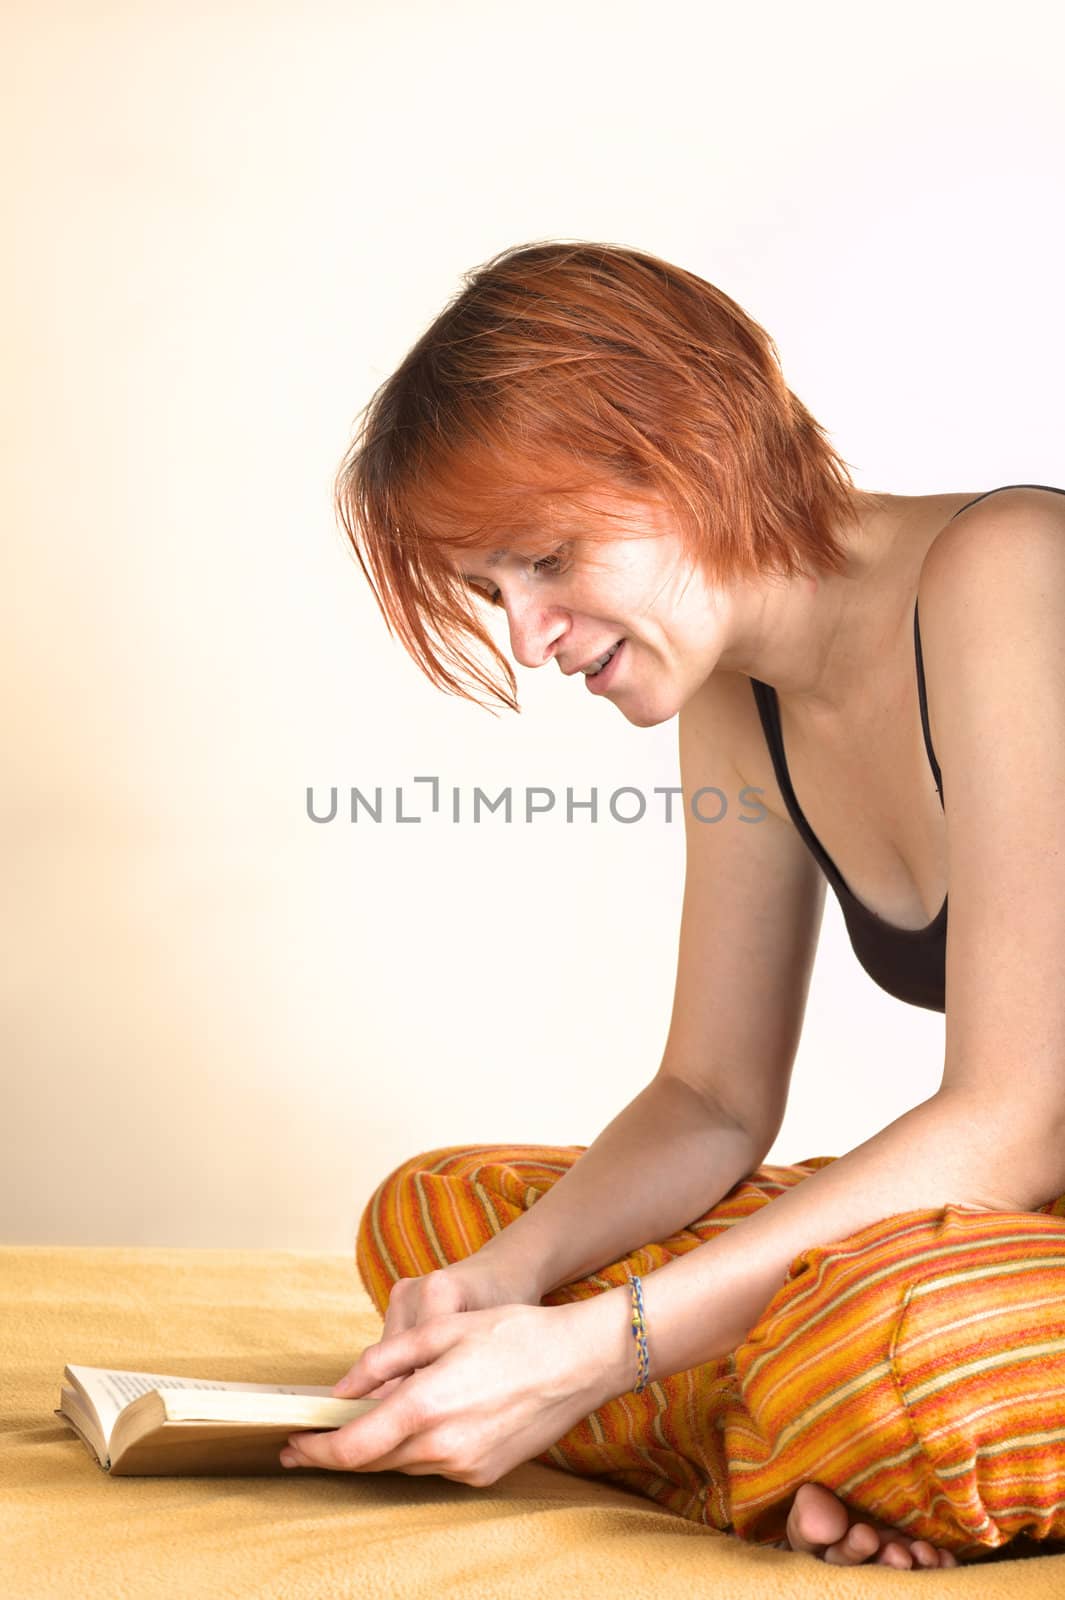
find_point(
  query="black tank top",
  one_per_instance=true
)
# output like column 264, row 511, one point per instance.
column 910, row 963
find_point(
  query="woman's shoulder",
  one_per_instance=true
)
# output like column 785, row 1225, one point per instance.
column 918, row 522
column 934, row 532
column 1009, row 505
column 986, row 535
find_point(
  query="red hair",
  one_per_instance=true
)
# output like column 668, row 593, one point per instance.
column 566, row 368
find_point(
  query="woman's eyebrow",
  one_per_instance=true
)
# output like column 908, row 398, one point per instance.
column 491, row 561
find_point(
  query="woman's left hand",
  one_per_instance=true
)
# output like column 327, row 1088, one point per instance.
column 482, row 1391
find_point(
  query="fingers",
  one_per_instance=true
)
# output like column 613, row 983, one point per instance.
column 401, row 1315
column 385, row 1388
column 397, row 1436
column 369, row 1444
column 396, row 1357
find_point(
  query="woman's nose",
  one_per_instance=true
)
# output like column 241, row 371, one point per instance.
column 535, row 630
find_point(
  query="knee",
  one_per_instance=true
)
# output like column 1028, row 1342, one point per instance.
column 824, row 1340
column 433, row 1209
column 926, row 1340
column 978, row 1361
column 418, row 1166
column 404, row 1187
column 867, row 1300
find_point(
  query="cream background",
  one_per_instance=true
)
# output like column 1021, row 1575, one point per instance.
column 222, row 1023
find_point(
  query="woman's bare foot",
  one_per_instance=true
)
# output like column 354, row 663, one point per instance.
column 820, row 1524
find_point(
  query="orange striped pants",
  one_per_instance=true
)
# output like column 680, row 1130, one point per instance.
column 916, row 1368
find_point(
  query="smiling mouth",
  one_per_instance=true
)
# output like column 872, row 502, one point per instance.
column 599, row 682
column 603, row 661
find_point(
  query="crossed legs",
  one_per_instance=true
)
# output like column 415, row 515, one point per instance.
column 909, row 1369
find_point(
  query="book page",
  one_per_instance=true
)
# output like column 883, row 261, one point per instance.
column 109, row 1389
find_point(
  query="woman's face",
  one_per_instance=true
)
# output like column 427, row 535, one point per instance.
column 574, row 604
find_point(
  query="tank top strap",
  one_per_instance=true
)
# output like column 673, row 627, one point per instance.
column 924, row 705
column 769, row 712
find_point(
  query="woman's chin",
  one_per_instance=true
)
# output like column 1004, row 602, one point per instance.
column 646, row 716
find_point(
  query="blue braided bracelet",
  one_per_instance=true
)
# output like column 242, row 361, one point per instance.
column 639, row 1331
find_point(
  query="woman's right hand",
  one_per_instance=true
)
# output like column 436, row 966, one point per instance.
column 469, row 1285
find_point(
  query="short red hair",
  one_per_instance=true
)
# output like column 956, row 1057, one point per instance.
column 563, row 368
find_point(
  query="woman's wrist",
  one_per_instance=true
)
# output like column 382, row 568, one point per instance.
column 609, row 1353
column 513, row 1267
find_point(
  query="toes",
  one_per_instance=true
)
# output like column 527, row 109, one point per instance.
column 819, row 1524
column 857, row 1545
column 924, row 1554
column 863, row 1540
column 816, row 1519
column 896, row 1555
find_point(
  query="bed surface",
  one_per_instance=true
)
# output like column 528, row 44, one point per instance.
column 67, row 1528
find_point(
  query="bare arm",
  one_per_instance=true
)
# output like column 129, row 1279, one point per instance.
column 753, row 899
column 947, row 1150
column 664, row 1160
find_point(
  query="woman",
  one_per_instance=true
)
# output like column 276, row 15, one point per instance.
column 603, row 445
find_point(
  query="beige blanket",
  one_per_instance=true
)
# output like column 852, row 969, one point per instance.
column 68, row 1530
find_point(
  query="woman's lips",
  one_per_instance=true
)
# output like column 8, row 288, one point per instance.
column 600, row 681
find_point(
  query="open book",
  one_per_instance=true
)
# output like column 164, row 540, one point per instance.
column 141, row 1424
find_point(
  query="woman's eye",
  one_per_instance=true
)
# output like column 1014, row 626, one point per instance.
column 551, row 563
column 492, row 595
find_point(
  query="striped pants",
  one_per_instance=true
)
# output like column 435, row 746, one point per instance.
column 916, row 1368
